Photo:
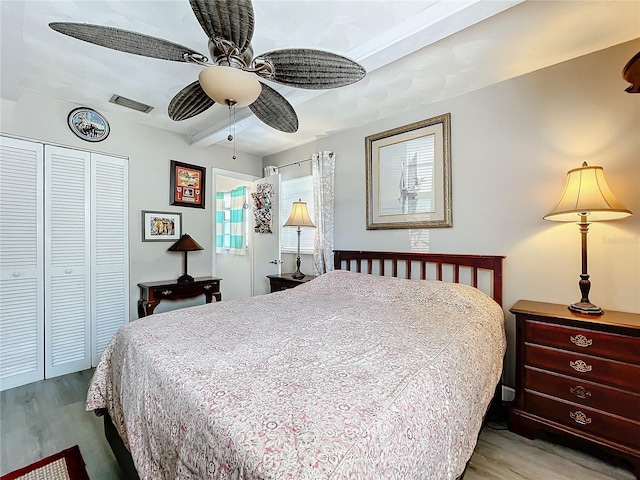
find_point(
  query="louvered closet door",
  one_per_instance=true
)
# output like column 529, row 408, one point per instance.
column 110, row 246
column 67, row 261
column 21, row 263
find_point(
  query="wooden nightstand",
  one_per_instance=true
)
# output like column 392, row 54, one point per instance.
column 578, row 375
column 151, row 293
column 285, row 281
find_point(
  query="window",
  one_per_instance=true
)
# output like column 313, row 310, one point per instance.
column 292, row 190
column 231, row 224
column 223, row 238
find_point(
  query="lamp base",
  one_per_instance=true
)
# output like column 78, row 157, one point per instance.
column 297, row 275
column 586, row 308
column 185, row 278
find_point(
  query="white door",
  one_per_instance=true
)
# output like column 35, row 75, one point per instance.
column 21, row 263
column 266, row 246
column 67, row 261
column 109, row 250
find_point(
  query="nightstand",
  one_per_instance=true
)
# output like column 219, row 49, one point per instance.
column 285, row 281
column 151, row 293
column 579, row 376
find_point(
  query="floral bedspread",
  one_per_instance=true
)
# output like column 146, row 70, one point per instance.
column 348, row 376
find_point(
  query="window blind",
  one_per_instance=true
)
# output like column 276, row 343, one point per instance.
column 292, row 190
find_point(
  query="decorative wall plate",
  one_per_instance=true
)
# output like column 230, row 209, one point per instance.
column 88, row 124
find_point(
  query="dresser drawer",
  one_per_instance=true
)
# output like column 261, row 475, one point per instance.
column 595, row 369
column 285, row 281
column 180, row 291
column 584, row 392
column 585, row 419
column 591, row 342
column 278, row 285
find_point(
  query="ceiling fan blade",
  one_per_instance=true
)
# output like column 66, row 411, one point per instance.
column 274, row 110
column 189, row 102
column 125, row 41
column 312, row 69
column 232, row 20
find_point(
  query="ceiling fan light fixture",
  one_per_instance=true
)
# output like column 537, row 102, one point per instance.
column 228, row 85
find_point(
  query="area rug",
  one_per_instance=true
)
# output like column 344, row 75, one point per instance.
column 65, row 465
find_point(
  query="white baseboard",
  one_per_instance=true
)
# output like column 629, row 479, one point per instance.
column 508, row 394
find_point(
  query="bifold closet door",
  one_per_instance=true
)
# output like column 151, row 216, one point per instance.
column 109, row 250
column 64, row 262
column 67, row 310
column 21, row 263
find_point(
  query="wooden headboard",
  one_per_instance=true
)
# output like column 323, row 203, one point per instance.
column 427, row 266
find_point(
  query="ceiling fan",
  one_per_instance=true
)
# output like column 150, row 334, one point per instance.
column 228, row 79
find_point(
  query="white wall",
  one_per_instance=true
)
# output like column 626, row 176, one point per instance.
column 512, row 145
column 150, row 151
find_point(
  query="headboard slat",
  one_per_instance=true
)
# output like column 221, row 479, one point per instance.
column 347, row 259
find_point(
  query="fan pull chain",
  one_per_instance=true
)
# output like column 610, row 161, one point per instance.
column 234, row 132
column 232, row 125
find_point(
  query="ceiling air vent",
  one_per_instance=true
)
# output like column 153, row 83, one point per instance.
column 127, row 102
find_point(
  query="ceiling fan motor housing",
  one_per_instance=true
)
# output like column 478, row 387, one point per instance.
column 226, row 54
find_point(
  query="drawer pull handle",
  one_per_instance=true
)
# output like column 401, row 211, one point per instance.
column 581, row 341
column 208, row 287
column 580, row 366
column 167, row 292
column 580, row 392
column 580, row 417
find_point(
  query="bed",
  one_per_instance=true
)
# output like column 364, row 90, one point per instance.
column 357, row 374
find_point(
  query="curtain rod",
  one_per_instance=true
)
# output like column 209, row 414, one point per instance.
column 299, row 162
column 295, row 163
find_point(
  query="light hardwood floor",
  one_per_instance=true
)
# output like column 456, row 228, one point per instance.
column 45, row 417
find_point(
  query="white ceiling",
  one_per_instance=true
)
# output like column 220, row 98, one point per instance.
column 415, row 52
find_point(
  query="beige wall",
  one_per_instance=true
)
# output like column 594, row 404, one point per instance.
column 512, row 145
column 150, row 151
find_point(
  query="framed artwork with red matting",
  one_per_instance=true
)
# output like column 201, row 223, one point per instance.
column 187, row 185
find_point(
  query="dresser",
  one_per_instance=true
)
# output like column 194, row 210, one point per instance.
column 578, row 375
column 151, row 293
column 284, row 281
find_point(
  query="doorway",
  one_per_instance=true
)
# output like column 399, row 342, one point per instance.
column 235, row 269
column 246, row 275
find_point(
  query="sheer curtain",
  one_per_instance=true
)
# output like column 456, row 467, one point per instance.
column 323, row 170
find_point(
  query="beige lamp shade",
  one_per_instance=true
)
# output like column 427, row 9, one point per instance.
column 229, row 85
column 587, row 193
column 299, row 216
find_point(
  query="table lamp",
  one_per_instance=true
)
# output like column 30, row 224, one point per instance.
column 586, row 198
column 299, row 217
column 185, row 244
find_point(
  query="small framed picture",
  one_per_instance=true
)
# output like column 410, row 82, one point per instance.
column 187, row 185
column 88, row 124
column 161, row 226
